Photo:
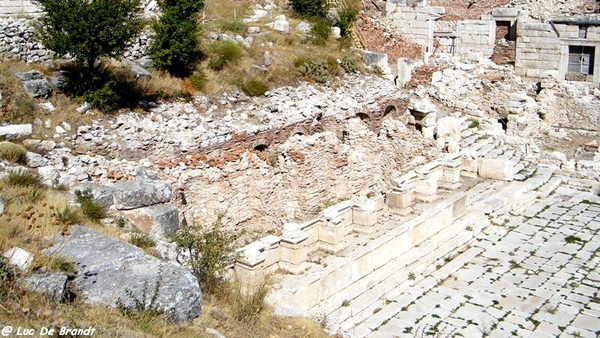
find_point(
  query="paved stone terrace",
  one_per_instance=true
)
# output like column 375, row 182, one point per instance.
column 537, row 276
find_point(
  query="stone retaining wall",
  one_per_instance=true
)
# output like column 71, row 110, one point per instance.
column 18, row 42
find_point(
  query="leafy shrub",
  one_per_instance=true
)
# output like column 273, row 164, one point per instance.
column 22, row 178
column 255, row 87
column 332, row 64
column 198, row 79
column 301, row 60
column 106, row 89
column 377, row 70
column 224, row 52
column 349, row 63
column 320, row 31
column 346, row 18
column 317, row 71
column 232, row 25
column 142, row 240
column 249, row 305
column 309, row 8
column 13, row 153
column 474, row 123
column 91, row 208
column 209, row 250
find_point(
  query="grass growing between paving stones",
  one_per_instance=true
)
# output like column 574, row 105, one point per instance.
column 573, row 239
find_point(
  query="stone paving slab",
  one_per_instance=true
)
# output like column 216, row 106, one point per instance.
column 538, row 279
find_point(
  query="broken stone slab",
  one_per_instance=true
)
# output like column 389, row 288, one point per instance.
column 157, row 220
column 496, row 169
column 20, row 258
column 14, row 131
column 140, row 193
column 35, row 160
column 35, row 83
column 139, row 72
column 52, row 284
column 110, row 272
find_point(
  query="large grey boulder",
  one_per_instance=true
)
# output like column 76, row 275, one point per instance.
column 110, row 272
column 35, row 83
column 15, row 131
column 140, row 193
column 52, row 284
column 157, row 220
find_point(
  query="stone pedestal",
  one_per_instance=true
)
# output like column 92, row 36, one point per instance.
column 401, row 195
column 469, row 166
column 364, row 216
column 451, row 170
column 428, row 181
column 293, row 249
column 338, row 220
column 249, row 269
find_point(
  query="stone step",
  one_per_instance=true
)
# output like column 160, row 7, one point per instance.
column 547, row 188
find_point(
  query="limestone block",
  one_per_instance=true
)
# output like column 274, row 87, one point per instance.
column 496, row 169
column 108, row 270
column 364, row 216
column 427, row 184
column 451, row 174
column 20, row 258
column 399, row 199
column 35, row 160
column 140, row 193
column 14, row 131
column 282, row 26
column 339, row 215
column 157, row 220
column 459, row 207
column 469, row 166
column 449, row 127
column 293, row 250
column 51, row 284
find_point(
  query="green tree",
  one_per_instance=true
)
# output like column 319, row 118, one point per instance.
column 347, row 16
column 309, row 8
column 175, row 48
column 89, row 29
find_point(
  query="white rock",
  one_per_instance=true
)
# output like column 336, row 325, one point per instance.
column 20, row 258
column 15, row 131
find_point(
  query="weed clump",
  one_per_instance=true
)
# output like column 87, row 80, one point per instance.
column 223, row 53
column 232, row 25
column 142, row 240
column 92, row 209
column 249, row 305
column 255, row 87
column 12, row 153
column 22, row 178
